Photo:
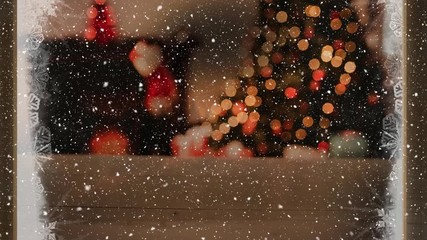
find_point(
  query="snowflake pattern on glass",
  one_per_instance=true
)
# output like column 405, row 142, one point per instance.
column 35, row 38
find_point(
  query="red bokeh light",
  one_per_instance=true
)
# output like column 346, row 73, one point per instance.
column 291, row 92
column 109, row 142
column 323, row 146
column 318, row 75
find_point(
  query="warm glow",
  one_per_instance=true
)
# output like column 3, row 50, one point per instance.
column 249, row 127
column 336, row 24
column 252, row 90
column 314, row 64
column 336, row 61
column 230, row 91
column 350, row 67
column 248, row 72
column 100, row 2
column 224, row 128
column 277, row 58
column 258, row 101
column 238, row 107
column 275, row 125
column 242, row 117
column 288, row 124
column 308, row 121
column 328, row 108
column 327, row 53
column 270, row 84
column 318, row 75
column 270, row 36
column 250, row 101
column 282, row 17
column 267, row 47
column 314, row 85
column 350, row 46
column 254, row 116
column 233, row 121
column 291, row 92
column 340, row 53
column 263, row 61
column 226, row 104
column 323, row 146
column 216, row 135
column 324, row 123
column 294, row 32
column 352, row 27
column 312, row 11
column 345, row 13
column 216, row 109
column 266, row 72
column 90, row 33
column 301, row 134
column 303, row 44
column 92, row 12
column 340, row 89
column 110, row 142
column 345, row 78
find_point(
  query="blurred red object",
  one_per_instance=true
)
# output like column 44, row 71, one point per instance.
column 110, row 142
column 101, row 23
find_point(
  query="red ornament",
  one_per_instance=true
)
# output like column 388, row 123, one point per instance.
column 100, row 23
column 110, row 142
column 323, row 147
column 161, row 91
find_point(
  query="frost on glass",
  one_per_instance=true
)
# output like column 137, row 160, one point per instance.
column 221, row 95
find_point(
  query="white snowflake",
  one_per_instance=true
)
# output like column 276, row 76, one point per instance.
column 48, row 231
column 35, row 38
column 34, row 119
column 34, row 102
column 396, row 23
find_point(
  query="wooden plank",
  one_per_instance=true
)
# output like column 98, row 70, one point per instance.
column 124, row 223
column 7, row 121
column 161, row 182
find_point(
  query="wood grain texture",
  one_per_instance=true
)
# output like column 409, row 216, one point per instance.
column 7, row 124
column 271, row 198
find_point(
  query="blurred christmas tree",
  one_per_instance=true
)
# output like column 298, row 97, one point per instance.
column 309, row 76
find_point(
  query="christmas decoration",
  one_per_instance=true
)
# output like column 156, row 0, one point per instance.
column 137, row 85
column 161, row 88
column 100, row 22
column 111, row 142
column 194, row 143
column 308, row 75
